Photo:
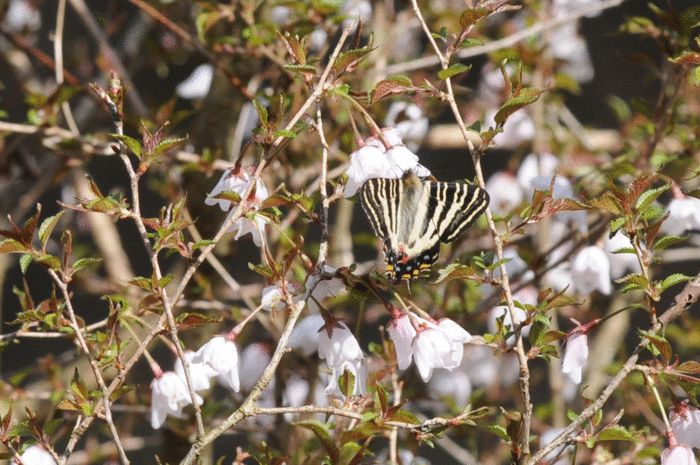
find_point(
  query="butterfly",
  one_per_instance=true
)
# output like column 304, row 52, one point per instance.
column 414, row 215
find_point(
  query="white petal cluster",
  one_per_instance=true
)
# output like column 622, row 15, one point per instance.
column 685, row 422
column 590, row 270
column 402, row 333
column 220, row 357
column 37, row 455
column 169, row 395
column 238, row 182
column 197, row 84
column 375, row 161
column 412, row 128
column 679, row 454
column 438, row 346
column 684, row 216
column 505, row 193
column 575, row 356
column 199, row 372
column 340, row 349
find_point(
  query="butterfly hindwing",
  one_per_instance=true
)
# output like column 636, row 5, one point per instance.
column 413, row 216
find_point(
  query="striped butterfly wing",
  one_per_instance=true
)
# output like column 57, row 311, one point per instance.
column 413, row 216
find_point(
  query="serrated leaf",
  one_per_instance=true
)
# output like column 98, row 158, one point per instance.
column 527, row 96
column 349, row 60
column 166, row 145
column 130, row 142
column 687, row 57
column 649, row 196
column 659, row 343
column 455, row 68
column 47, row 227
column 262, row 112
column 672, row 280
column 667, row 241
column 455, row 271
column 441, row 34
column 285, row 133
column 404, row 417
column 49, row 261
column 321, row 432
column 625, row 250
column 691, row 367
column 24, row 262
column 498, row 263
column 393, row 85
column 12, row 246
column 303, row 69
column 616, row 224
column 616, row 433
column 471, row 16
column 499, row 431
column 83, row 262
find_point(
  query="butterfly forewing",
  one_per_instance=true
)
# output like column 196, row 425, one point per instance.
column 413, row 216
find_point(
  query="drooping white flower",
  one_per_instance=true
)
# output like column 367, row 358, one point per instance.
column 534, row 166
column 340, row 349
column 325, row 287
column 575, row 355
column 169, row 395
column 22, row 16
column 272, row 296
column 684, row 216
column 505, row 193
column 200, row 373
column 590, row 270
column 413, row 127
column 305, row 334
column 197, row 85
column 254, row 359
column 221, row 356
column 238, row 181
column 620, row 263
column 680, row 454
column 438, row 346
column 454, row 384
column 375, row 161
column 402, row 333
column 569, row 47
column 37, row 455
column 685, row 422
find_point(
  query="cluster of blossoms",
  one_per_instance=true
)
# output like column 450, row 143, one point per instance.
column 431, row 344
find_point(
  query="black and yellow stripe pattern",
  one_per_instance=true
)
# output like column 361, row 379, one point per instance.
column 413, row 216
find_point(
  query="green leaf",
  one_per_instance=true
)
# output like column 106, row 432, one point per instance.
column 498, row 263
column 24, row 262
column 616, row 433
column 83, row 262
column 455, row 68
column 166, row 145
column 47, row 227
column 12, row 246
column 321, row 432
column 262, row 112
column 668, row 240
column 130, row 142
column 303, row 69
column 456, row 271
column 472, row 16
column 672, row 280
column 49, row 261
column 659, row 343
column 285, row 133
column 441, row 34
column 649, row 196
column 527, row 96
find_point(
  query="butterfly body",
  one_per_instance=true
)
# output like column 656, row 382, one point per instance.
column 413, row 216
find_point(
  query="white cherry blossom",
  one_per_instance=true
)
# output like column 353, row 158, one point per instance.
column 200, row 373
column 169, row 395
column 685, row 422
column 413, row 128
column 590, row 270
column 438, row 346
column 197, row 84
column 373, row 160
column 575, row 355
column 305, row 334
column 220, row 355
column 402, row 333
column 340, row 349
column 505, row 193
column 684, row 216
column 620, row 263
column 680, row 454
column 37, row 455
